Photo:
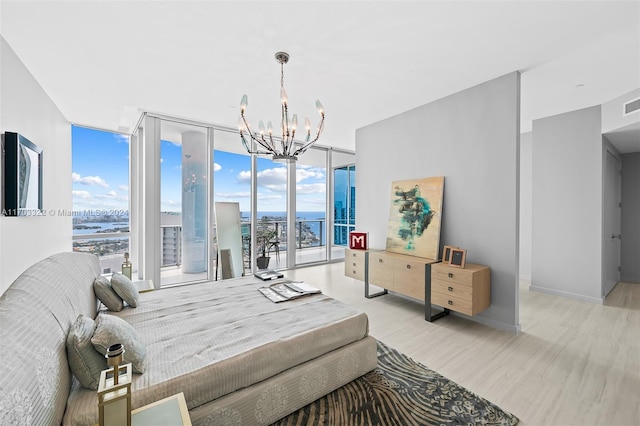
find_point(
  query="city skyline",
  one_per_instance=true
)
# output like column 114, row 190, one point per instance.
column 100, row 171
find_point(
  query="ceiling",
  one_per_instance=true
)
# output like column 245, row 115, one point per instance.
column 103, row 62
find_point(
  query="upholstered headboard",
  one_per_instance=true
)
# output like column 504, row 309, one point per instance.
column 36, row 313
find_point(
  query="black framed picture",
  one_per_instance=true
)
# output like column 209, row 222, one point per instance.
column 22, row 176
column 457, row 257
column 446, row 253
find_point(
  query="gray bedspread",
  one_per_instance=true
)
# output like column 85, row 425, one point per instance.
column 208, row 340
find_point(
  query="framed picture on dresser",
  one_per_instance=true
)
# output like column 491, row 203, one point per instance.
column 457, row 257
column 446, row 253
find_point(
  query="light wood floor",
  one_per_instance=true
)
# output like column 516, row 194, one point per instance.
column 575, row 363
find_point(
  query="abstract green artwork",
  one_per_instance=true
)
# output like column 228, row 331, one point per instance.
column 415, row 217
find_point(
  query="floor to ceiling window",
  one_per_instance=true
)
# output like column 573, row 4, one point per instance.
column 344, row 198
column 311, row 207
column 100, row 192
column 186, row 171
column 271, row 231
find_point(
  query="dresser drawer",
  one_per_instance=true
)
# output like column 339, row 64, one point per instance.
column 408, row 278
column 381, row 270
column 452, row 289
column 355, row 263
column 454, row 303
column 355, row 255
column 443, row 272
column 465, row 290
column 354, row 270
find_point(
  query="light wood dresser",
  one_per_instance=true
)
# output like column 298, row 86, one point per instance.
column 465, row 290
column 355, row 263
column 399, row 273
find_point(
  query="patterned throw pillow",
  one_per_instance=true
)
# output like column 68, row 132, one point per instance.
column 84, row 361
column 110, row 330
column 106, row 294
column 125, row 289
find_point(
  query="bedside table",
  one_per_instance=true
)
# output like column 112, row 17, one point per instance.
column 171, row 411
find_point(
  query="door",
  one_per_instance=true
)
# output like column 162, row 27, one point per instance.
column 612, row 212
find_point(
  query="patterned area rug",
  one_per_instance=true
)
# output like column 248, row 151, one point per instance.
column 400, row 392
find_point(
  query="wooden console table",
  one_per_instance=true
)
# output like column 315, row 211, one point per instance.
column 465, row 290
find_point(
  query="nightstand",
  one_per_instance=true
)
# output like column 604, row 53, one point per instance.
column 171, row 411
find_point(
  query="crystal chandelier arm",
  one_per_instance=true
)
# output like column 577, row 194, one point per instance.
column 308, row 144
column 252, row 136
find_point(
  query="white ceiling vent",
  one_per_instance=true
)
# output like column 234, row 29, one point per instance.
column 631, row 106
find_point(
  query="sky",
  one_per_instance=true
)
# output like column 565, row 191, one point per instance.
column 100, row 171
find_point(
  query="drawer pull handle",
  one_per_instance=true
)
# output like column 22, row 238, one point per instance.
column 408, row 266
column 354, row 264
column 450, row 275
column 380, row 260
column 450, row 288
column 450, row 302
column 354, row 272
column 353, row 254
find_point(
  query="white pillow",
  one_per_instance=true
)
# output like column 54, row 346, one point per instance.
column 84, row 361
column 125, row 289
column 110, row 330
column 106, row 294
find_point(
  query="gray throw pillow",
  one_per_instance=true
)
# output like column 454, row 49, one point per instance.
column 84, row 361
column 125, row 289
column 106, row 294
column 111, row 330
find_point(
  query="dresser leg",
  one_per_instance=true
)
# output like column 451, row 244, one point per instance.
column 372, row 295
column 431, row 318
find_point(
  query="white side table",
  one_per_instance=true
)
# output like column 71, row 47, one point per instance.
column 171, row 411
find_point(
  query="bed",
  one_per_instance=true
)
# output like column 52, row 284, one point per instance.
column 236, row 355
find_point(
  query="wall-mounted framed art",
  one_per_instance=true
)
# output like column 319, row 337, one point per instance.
column 22, row 176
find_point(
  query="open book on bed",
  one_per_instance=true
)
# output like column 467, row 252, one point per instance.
column 287, row 290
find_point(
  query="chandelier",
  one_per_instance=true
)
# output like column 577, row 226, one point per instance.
column 284, row 150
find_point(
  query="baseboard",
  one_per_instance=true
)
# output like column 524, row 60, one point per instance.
column 525, row 277
column 581, row 297
column 515, row 329
column 632, row 280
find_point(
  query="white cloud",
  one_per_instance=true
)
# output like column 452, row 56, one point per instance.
column 269, row 199
column 84, row 195
column 315, row 203
column 312, row 188
column 216, row 167
column 112, row 195
column 307, row 173
column 244, row 177
column 123, row 188
column 171, row 203
column 274, row 179
column 232, row 195
column 89, row 180
column 120, row 138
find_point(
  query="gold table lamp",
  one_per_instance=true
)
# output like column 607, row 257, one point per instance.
column 114, row 389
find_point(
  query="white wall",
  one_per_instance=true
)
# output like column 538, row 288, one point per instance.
column 26, row 109
column 567, row 205
column 526, row 162
column 472, row 139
